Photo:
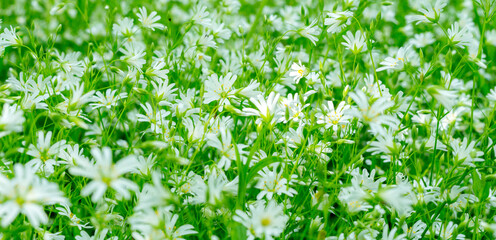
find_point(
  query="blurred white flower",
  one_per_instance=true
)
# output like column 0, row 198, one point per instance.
column 149, row 21
column 263, row 221
column 356, row 44
column 105, row 174
column 27, row 193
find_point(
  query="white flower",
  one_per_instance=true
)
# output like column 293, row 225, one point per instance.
column 105, row 174
column 373, row 113
column 26, row 193
column 149, row 21
column 154, row 195
column 76, row 101
column 338, row 21
column 355, row 44
column 334, row 117
column 293, row 108
column 200, row 16
column 157, row 71
column 75, row 221
column 44, row 153
column 9, row 38
column 430, row 14
column 298, row 71
column 250, row 90
column 311, row 31
column 414, row 232
column 466, row 152
column 70, row 64
column 385, row 146
column 108, row 100
column 366, row 181
column 491, row 36
column 267, row 110
column 226, row 148
column 134, row 53
column 459, row 37
column 11, row 119
column 262, row 221
column 423, row 39
column 447, row 98
column 125, row 27
column 158, row 224
column 391, row 235
column 220, row 32
column 100, row 234
column 220, row 89
column 272, row 182
column 398, row 197
column 353, row 198
column 157, row 118
column 395, row 63
column 218, row 185
column 491, row 96
column 445, row 231
column 71, row 154
column 164, row 92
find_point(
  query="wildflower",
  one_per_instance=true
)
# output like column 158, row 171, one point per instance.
column 414, row 232
column 491, row 96
column 459, row 37
column 272, row 182
column 69, row 63
column 263, row 221
column 334, row 117
column 395, row 63
column 310, row 31
column 133, row 54
column 157, row 119
column 225, row 146
column 398, row 198
column 220, row 89
column 293, row 108
column 447, row 98
column 445, row 231
column 220, row 32
column 465, row 152
column 44, row 153
column 391, row 235
column 9, row 38
column 373, row 113
column 356, row 44
column 149, row 21
column 298, row 71
column 164, row 92
column 422, row 40
column 108, row 100
column 125, row 27
column 157, row 71
column 105, row 174
column 11, row 119
column 71, row 155
column 430, row 14
column 27, row 193
column 353, row 198
column 266, row 109
column 100, row 234
column 338, row 21
column 200, row 16
column 158, row 224
column 75, row 221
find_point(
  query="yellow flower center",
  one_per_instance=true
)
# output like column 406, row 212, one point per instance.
column 266, row 221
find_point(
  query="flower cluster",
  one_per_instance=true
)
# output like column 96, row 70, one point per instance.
column 235, row 119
